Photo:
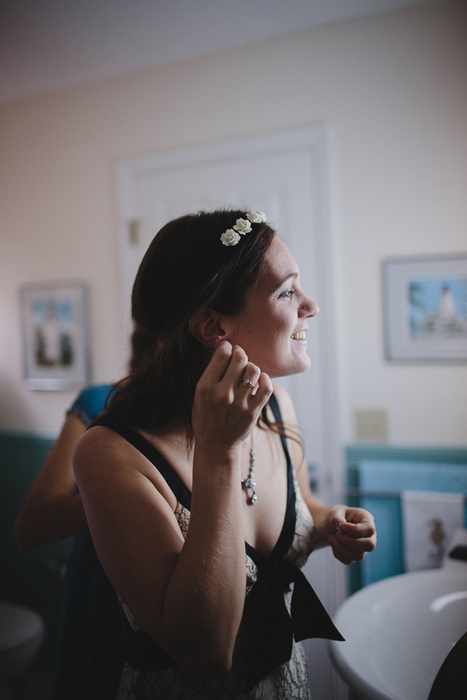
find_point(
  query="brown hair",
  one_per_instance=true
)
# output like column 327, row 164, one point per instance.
column 185, row 270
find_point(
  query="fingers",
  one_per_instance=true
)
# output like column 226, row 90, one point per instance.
column 218, row 364
column 352, row 544
column 250, row 377
column 354, row 534
column 347, row 550
column 239, row 368
column 227, row 365
column 264, row 390
column 229, row 404
column 230, row 369
column 254, row 388
column 342, row 554
column 354, row 522
column 359, row 530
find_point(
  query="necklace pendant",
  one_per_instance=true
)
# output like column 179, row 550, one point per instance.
column 249, row 483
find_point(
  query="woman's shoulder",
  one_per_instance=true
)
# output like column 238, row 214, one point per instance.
column 90, row 402
column 289, row 420
column 101, row 445
column 285, row 404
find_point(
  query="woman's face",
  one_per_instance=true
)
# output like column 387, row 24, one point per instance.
column 271, row 327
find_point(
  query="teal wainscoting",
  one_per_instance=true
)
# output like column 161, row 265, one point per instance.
column 376, row 476
column 32, row 578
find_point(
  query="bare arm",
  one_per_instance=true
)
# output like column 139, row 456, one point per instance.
column 188, row 595
column 53, row 509
column 349, row 531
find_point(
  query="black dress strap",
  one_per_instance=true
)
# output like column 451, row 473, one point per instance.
column 288, row 528
column 180, row 491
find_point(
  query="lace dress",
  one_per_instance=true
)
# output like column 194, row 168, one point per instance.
column 268, row 661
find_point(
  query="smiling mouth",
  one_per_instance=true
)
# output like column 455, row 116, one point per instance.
column 301, row 335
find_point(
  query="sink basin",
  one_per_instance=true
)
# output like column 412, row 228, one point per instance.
column 399, row 631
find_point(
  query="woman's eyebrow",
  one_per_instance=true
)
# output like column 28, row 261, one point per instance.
column 291, row 275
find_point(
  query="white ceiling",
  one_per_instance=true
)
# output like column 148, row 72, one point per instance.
column 51, row 44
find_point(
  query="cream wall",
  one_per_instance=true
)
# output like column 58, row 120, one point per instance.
column 392, row 91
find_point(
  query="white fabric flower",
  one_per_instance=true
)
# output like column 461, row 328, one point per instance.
column 242, row 226
column 230, row 237
column 257, row 217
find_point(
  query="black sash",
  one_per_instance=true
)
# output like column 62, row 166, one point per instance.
column 270, row 629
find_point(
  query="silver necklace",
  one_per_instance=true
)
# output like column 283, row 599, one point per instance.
column 249, row 483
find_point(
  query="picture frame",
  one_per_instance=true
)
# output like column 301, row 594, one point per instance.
column 425, row 308
column 56, row 335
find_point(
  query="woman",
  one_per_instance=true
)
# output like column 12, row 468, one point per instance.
column 52, row 509
column 92, row 634
column 191, row 460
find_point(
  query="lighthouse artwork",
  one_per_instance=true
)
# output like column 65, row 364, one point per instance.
column 56, row 338
column 437, row 308
column 425, row 308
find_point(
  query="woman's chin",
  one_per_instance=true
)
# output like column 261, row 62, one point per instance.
column 296, row 367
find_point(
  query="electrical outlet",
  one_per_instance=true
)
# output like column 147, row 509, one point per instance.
column 371, row 424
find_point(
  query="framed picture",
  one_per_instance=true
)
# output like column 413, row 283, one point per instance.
column 426, row 308
column 56, row 341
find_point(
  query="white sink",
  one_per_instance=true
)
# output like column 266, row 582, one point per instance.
column 399, row 631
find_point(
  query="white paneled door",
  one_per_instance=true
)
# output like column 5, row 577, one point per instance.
column 285, row 176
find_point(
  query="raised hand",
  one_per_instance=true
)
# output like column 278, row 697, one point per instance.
column 228, row 399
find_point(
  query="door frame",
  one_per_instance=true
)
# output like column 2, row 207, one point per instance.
column 314, row 141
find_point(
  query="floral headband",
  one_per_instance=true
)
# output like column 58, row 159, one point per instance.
column 242, row 226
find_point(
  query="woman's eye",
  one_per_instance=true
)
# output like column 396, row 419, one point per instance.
column 287, row 294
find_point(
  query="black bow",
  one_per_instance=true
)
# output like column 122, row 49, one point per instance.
column 269, row 627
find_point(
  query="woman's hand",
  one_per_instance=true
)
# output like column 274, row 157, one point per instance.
column 225, row 409
column 351, row 533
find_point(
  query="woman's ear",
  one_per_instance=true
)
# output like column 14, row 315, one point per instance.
column 206, row 327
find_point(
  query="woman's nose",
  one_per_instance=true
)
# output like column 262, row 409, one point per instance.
column 309, row 308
